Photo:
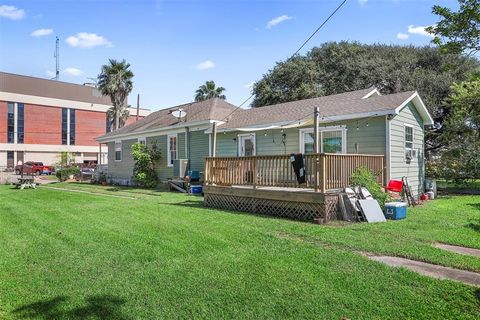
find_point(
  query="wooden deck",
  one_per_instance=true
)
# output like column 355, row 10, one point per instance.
column 268, row 184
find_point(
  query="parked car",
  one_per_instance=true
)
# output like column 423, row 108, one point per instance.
column 31, row 167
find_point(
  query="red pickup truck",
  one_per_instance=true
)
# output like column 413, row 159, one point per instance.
column 31, row 167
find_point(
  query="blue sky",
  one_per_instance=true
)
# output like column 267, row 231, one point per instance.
column 175, row 46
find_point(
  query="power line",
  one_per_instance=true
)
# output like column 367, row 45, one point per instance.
column 298, row 50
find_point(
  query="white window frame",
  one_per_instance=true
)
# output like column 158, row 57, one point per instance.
column 343, row 128
column 239, row 144
column 405, row 125
column 117, row 147
column 169, row 153
column 142, row 140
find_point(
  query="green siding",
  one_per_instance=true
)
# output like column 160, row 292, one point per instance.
column 198, row 147
column 181, row 145
column 226, row 145
column 163, row 170
column 121, row 169
column 399, row 167
column 370, row 139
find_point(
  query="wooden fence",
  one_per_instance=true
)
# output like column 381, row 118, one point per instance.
column 324, row 171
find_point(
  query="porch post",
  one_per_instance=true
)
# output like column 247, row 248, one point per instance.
column 100, row 153
column 214, row 139
column 316, row 135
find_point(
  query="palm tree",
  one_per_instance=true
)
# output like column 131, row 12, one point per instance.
column 208, row 91
column 115, row 80
column 123, row 115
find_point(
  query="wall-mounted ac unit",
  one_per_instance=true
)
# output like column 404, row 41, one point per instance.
column 180, row 167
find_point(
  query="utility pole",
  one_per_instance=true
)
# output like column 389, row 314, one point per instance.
column 138, row 106
column 316, row 135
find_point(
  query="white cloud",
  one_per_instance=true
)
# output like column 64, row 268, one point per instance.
column 50, row 73
column 205, row 65
column 41, row 32
column 87, row 40
column 272, row 23
column 72, row 72
column 402, row 36
column 11, row 12
column 419, row 30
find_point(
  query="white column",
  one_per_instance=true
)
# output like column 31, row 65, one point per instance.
column 15, row 122
column 68, row 127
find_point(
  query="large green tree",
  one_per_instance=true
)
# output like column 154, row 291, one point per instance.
column 209, row 90
column 459, row 159
column 115, row 81
column 345, row 66
column 458, row 31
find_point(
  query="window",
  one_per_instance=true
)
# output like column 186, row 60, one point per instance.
column 72, row 126
column 172, row 149
column 20, row 123
column 142, row 141
column 10, row 159
column 64, row 125
column 409, row 153
column 11, row 123
column 332, row 140
column 118, row 151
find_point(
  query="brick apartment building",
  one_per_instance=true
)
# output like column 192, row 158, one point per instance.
column 40, row 119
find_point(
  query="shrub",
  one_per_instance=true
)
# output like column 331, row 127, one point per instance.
column 362, row 177
column 63, row 173
column 144, row 173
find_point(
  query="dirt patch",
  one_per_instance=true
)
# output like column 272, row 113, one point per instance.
column 458, row 249
column 431, row 270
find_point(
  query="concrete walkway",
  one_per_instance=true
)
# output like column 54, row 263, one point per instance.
column 458, row 249
column 431, row 270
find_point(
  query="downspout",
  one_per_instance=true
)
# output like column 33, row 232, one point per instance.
column 187, row 146
column 388, row 149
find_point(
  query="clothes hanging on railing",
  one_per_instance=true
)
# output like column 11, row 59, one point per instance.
column 298, row 166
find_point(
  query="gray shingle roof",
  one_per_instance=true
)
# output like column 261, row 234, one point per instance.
column 344, row 104
column 349, row 105
column 212, row 109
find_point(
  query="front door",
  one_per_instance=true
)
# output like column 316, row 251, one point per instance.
column 246, row 145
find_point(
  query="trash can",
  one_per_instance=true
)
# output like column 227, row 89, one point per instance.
column 395, row 210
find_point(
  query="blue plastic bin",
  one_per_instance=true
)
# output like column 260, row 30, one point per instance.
column 395, row 210
column 196, row 189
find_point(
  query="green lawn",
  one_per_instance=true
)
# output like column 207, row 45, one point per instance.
column 70, row 255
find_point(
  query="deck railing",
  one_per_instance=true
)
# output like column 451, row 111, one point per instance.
column 324, row 171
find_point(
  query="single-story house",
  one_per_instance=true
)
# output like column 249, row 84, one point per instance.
column 357, row 122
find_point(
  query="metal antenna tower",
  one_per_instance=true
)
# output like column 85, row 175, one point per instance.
column 56, row 55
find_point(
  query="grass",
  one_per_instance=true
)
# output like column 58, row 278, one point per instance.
column 67, row 255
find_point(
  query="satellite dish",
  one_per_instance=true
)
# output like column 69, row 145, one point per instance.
column 179, row 113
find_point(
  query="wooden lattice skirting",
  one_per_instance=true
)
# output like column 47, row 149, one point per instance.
column 295, row 205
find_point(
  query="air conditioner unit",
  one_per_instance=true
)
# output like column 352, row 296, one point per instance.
column 180, row 167
column 410, row 154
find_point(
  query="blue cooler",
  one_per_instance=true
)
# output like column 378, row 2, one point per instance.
column 395, row 210
column 196, row 189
